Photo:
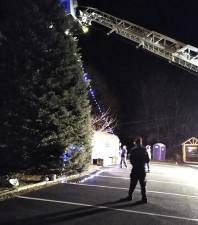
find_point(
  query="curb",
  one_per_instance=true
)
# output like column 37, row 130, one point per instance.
column 43, row 184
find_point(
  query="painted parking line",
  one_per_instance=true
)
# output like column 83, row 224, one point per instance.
column 114, row 177
column 127, row 172
column 111, row 208
column 122, row 188
column 157, row 181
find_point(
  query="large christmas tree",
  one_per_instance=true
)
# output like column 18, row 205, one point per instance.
column 43, row 99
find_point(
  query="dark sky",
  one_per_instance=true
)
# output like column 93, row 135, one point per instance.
column 121, row 64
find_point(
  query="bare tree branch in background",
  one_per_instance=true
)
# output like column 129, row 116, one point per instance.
column 104, row 122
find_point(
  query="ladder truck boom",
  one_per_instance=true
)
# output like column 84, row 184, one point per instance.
column 168, row 48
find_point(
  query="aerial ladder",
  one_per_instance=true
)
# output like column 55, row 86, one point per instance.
column 176, row 52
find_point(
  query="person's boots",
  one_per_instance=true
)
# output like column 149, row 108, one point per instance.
column 128, row 198
column 144, row 199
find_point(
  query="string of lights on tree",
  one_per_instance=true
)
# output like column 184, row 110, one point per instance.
column 91, row 93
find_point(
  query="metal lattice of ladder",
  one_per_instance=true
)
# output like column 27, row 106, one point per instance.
column 174, row 51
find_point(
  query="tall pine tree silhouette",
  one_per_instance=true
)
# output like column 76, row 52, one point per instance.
column 43, row 99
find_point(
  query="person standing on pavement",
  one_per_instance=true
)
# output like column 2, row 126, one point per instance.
column 123, row 154
column 138, row 158
column 131, row 149
column 148, row 149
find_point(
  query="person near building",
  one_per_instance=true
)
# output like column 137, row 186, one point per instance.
column 123, row 154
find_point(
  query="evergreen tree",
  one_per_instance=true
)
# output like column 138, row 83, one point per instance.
column 44, row 106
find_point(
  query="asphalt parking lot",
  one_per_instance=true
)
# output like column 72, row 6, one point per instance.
column 172, row 192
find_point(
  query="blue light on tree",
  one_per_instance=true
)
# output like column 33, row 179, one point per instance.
column 86, row 79
column 70, row 152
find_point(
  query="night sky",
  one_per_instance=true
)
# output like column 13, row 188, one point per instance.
column 121, row 65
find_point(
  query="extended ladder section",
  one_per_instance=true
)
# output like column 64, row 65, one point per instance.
column 159, row 44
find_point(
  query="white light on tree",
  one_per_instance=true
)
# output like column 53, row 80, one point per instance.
column 85, row 29
column 67, row 32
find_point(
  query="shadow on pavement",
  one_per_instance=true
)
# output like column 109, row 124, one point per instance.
column 72, row 214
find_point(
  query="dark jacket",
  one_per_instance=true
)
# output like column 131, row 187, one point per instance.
column 123, row 153
column 138, row 158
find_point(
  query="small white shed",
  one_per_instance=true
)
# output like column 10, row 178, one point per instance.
column 105, row 148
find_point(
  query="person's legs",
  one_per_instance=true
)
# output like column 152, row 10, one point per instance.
column 125, row 163
column 133, row 183
column 148, row 167
column 142, row 180
column 121, row 162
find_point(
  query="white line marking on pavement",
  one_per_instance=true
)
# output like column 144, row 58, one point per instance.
column 158, row 181
column 167, row 182
column 99, row 186
column 161, row 175
column 164, row 165
column 127, row 172
column 110, row 208
column 121, row 188
column 124, row 178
